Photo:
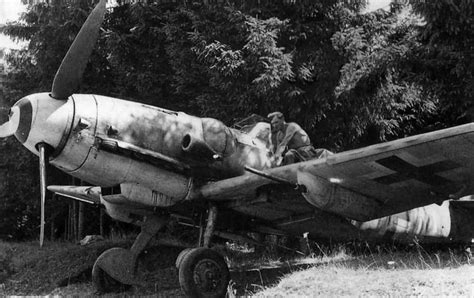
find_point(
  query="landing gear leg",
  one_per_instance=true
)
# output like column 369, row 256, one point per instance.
column 203, row 272
column 210, row 226
column 117, row 266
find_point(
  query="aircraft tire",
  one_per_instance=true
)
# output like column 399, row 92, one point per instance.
column 203, row 273
column 104, row 283
column 181, row 255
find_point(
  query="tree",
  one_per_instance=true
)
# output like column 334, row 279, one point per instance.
column 377, row 95
column 445, row 61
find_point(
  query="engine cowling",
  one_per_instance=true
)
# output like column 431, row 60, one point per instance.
column 215, row 142
column 198, row 148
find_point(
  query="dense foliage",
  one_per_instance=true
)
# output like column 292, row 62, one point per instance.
column 348, row 78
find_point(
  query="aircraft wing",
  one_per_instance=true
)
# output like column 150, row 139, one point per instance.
column 374, row 181
column 87, row 194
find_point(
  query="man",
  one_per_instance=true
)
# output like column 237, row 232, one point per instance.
column 289, row 143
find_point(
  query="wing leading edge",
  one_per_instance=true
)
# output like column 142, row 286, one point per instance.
column 374, row 181
column 87, row 194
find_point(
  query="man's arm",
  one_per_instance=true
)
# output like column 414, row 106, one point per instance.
column 290, row 131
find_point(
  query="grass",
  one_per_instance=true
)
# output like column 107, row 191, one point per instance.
column 345, row 281
column 354, row 269
column 380, row 271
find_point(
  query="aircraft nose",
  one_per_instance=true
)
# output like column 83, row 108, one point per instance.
column 39, row 118
column 22, row 113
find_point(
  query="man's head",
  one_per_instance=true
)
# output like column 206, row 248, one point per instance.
column 277, row 121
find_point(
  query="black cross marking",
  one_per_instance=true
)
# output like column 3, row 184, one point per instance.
column 405, row 171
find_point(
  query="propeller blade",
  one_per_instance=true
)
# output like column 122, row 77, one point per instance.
column 9, row 128
column 72, row 67
column 43, row 162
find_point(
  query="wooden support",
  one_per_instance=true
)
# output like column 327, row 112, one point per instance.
column 80, row 222
column 80, row 218
column 69, row 222
column 101, row 222
column 66, row 228
column 52, row 230
column 74, row 220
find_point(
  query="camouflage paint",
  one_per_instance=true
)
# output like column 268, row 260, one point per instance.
column 72, row 127
column 328, row 195
column 428, row 221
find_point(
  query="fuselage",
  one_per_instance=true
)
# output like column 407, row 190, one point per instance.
column 75, row 128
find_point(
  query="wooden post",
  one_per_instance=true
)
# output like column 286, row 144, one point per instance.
column 101, row 222
column 66, row 229
column 52, row 230
column 70, row 216
column 52, row 218
column 74, row 220
column 69, row 222
column 80, row 220
column 80, row 224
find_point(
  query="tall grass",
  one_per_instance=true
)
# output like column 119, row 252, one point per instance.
column 350, row 261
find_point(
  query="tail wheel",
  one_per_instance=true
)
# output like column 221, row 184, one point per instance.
column 203, row 273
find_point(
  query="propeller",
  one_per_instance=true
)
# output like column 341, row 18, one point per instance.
column 43, row 163
column 66, row 81
column 21, row 122
column 72, row 67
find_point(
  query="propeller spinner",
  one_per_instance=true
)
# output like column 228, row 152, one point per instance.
column 39, row 121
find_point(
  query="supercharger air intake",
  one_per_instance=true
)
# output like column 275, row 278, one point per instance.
column 213, row 143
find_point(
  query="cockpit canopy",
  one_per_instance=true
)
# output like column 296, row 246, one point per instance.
column 255, row 126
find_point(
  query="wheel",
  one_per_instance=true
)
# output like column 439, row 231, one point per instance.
column 203, row 273
column 104, row 283
column 181, row 255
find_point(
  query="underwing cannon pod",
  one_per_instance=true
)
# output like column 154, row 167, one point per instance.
column 215, row 142
column 329, row 196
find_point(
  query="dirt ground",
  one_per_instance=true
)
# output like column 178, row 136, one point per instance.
column 65, row 269
column 156, row 271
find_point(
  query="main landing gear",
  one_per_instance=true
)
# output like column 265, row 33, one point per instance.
column 202, row 271
column 114, row 270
